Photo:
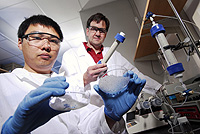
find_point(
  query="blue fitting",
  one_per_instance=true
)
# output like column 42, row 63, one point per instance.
column 149, row 14
column 187, row 92
column 157, row 28
column 120, row 38
column 175, row 68
column 171, row 97
column 99, row 62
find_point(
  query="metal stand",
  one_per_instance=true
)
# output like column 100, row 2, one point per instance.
column 184, row 27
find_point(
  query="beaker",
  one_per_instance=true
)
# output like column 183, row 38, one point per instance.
column 113, row 81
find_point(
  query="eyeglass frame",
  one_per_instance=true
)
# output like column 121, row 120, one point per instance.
column 101, row 30
column 54, row 36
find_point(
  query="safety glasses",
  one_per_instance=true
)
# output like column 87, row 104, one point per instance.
column 95, row 29
column 39, row 38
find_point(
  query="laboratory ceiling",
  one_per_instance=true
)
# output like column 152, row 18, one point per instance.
column 65, row 12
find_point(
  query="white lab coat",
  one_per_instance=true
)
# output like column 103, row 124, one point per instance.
column 75, row 62
column 87, row 120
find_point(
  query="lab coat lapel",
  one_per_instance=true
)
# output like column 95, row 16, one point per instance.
column 85, row 56
column 30, row 78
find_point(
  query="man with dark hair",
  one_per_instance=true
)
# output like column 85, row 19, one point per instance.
column 81, row 63
column 25, row 92
column 98, row 17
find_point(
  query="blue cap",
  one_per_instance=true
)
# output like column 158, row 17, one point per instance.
column 120, row 38
column 175, row 68
column 149, row 14
column 157, row 28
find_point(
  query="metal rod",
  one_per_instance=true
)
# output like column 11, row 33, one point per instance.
column 184, row 27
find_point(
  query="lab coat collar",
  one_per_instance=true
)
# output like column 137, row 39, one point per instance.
column 89, row 48
column 81, row 51
column 32, row 78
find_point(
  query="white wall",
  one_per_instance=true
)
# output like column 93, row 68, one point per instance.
column 196, row 16
column 121, row 16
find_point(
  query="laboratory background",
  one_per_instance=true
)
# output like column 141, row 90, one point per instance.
column 179, row 46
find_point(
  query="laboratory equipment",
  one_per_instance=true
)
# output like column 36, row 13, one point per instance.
column 146, row 115
column 178, row 101
column 72, row 100
column 156, row 102
column 174, row 68
column 119, row 38
column 113, row 81
column 185, row 125
column 184, row 28
column 175, row 94
column 118, row 103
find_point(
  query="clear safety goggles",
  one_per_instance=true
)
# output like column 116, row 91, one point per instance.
column 39, row 38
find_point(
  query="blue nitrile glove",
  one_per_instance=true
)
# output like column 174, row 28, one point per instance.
column 34, row 109
column 117, row 105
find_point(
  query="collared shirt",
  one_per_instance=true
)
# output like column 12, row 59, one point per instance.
column 95, row 56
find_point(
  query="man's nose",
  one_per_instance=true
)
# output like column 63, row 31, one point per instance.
column 46, row 45
column 98, row 33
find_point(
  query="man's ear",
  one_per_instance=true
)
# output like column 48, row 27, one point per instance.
column 20, row 44
column 87, row 31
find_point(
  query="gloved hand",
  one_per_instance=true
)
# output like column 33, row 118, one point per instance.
column 117, row 105
column 34, row 109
